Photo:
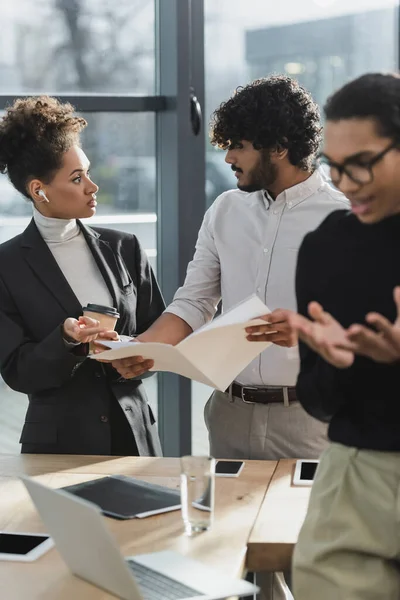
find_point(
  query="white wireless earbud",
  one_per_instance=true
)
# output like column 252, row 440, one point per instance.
column 43, row 195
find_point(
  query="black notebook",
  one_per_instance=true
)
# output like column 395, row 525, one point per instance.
column 124, row 497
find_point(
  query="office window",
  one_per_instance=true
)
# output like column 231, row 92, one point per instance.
column 146, row 157
column 82, row 47
column 321, row 43
column 77, row 46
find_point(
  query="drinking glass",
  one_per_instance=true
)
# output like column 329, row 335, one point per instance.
column 197, row 492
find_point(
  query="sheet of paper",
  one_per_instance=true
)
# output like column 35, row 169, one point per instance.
column 166, row 358
column 220, row 349
column 222, row 353
column 121, row 344
column 215, row 354
column 249, row 309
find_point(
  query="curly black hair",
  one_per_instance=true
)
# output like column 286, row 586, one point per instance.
column 371, row 96
column 273, row 112
column 35, row 133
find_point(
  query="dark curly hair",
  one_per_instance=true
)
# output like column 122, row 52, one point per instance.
column 34, row 134
column 273, row 112
column 372, row 96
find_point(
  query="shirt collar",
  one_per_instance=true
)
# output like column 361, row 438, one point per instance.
column 299, row 192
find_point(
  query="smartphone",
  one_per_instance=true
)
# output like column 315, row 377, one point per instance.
column 228, row 468
column 24, row 547
column 304, row 472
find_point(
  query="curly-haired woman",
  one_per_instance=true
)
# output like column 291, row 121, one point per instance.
column 47, row 274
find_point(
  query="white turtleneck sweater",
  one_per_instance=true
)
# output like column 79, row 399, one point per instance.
column 69, row 248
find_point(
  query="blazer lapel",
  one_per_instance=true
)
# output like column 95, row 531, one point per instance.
column 43, row 263
column 106, row 261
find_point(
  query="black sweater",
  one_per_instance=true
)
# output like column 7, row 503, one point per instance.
column 351, row 269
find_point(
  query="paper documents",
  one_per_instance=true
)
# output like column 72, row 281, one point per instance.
column 214, row 354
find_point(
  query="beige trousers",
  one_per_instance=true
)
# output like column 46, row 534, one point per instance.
column 263, row 432
column 349, row 545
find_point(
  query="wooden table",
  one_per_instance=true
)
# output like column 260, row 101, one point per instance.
column 238, row 501
column 274, row 535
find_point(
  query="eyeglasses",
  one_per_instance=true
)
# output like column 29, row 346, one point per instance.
column 359, row 172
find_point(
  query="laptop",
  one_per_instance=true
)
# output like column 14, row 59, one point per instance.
column 88, row 548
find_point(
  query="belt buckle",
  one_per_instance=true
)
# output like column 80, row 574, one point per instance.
column 247, row 387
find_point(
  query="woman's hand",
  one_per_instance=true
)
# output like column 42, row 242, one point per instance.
column 99, row 348
column 325, row 336
column 82, row 330
column 112, row 336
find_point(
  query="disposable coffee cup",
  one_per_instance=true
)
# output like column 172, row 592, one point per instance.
column 106, row 315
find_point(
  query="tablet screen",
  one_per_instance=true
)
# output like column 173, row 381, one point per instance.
column 308, row 470
column 11, row 543
column 228, row 467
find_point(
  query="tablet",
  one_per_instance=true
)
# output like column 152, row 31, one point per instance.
column 228, row 468
column 122, row 497
column 304, row 472
column 24, row 547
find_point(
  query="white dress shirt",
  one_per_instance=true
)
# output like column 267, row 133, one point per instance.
column 248, row 244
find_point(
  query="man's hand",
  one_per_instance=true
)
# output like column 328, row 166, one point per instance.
column 325, row 336
column 133, row 366
column 278, row 329
column 82, row 330
column 382, row 345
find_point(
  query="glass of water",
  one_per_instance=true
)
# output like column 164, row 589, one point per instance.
column 197, row 492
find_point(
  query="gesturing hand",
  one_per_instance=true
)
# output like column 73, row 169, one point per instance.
column 82, row 330
column 324, row 335
column 382, row 345
column 277, row 329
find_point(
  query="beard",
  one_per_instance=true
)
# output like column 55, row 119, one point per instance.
column 262, row 176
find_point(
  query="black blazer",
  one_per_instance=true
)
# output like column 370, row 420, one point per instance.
column 70, row 395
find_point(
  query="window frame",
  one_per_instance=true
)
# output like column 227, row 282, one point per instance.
column 180, row 184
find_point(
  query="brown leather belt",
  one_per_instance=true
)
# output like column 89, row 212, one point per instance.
column 259, row 395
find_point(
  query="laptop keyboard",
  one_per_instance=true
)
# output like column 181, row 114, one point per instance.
column 155, row 586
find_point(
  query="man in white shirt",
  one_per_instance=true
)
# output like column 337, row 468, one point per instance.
column 248, row 244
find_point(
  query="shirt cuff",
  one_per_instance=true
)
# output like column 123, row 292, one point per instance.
column 191, row 315
column 71, row 344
